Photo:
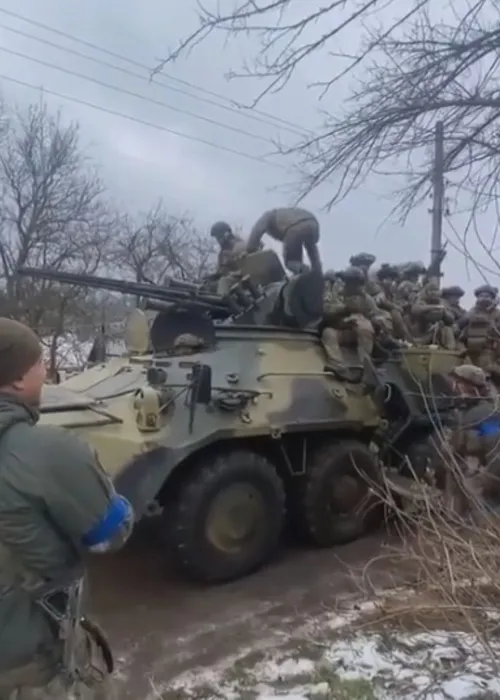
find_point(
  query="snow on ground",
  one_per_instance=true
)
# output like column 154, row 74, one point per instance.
column 336, row 657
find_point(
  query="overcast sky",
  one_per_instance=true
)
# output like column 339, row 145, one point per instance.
column 142, row 163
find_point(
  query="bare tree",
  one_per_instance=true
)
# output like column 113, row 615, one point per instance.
column 289, row 32
column 154, row 244
column 52, row 216
column 412, row 69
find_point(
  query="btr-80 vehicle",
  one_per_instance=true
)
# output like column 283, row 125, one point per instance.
column 223, row 418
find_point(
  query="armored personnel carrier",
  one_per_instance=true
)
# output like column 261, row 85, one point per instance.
column 223, row 418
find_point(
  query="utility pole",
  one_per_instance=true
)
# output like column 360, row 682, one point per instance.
column 438, row 202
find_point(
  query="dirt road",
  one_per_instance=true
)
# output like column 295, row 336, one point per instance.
column 160, row 625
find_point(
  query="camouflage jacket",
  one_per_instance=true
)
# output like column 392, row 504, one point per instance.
column 228, row 256
column 407, row 292
column 52, row 493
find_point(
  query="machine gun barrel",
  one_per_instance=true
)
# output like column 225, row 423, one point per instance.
column 190, row 295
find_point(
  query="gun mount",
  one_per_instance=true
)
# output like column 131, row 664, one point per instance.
column 183, row 307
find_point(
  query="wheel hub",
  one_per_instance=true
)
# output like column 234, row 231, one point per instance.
column 235, row 518
column 346, row 492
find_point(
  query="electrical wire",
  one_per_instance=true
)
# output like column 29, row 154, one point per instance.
column 143, row 122
column 130, row 93
column 125, row 71
column 121, row 57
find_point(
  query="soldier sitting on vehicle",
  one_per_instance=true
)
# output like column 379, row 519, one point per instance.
column 385, row 299
column 351, row 319
column 432, row 321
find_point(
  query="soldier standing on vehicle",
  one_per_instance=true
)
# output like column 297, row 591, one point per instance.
column 297, row 229
column 451, row 297
column 56, row 504
column 232, row 248
column 480, row 330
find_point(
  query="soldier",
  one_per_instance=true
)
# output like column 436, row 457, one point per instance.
column 297, row 229
column 56, row 504
column 451, row 297
column 232, row 247
column 480, row 330
column 386, row 300
column 333, row 308
column 433, row 322
column 409, row 286
column 358, row 313
column 364, row 261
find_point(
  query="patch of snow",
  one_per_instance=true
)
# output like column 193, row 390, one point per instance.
column 439, row 665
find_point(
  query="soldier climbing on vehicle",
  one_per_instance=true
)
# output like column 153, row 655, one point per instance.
column 297, row 229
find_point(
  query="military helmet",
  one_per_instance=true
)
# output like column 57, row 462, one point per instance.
column 330, row 276
column 414, row 268
column 220, row 229
column 353, row 274
column 363, row 259
column 387, row 271
column 471, row 374
column 454, row 291
column 486, row 289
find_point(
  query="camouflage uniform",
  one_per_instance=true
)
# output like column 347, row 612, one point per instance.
column 481, row 329
column 232, row 248
column 297, row 229
column 451, row 297
column 360, row 312
column 332, row 307
column 386, row 300
column 433, row 322
column 364, row 261
column 409, row 287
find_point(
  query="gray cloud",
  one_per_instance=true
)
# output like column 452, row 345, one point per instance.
column 141, row 163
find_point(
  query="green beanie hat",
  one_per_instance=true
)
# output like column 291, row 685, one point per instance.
column 20, row 350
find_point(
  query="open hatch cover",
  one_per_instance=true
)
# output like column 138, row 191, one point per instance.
column 58, row 398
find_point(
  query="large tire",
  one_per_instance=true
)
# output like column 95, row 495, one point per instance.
column 329, row 515
column 209, row 551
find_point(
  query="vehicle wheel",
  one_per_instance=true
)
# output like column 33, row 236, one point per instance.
column 337, row 504
column 229, row 517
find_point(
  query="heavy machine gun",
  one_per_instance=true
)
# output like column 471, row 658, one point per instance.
column 243, row 296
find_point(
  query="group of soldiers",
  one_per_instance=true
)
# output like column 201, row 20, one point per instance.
column 397, row 303
column 403, row 303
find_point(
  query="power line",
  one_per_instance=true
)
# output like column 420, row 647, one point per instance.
column 159, row 127
column 159, row 103
column 113, row 54
column 165, row 86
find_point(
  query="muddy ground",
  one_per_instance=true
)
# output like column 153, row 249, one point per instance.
column 161, row 625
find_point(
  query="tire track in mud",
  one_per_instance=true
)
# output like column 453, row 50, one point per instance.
column 161, row 625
